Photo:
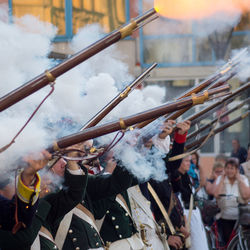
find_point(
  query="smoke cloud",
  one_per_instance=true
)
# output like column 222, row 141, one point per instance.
column 78, row 94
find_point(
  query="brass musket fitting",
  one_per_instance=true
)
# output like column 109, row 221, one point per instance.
column 200, row 99
column 128, row 29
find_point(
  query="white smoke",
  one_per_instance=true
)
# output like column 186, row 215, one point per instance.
column 78, row 94
column 244, row 66
column 143, row 163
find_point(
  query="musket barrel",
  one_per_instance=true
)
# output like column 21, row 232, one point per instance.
column 200, row 115
column 215, row 119
column 124, row 123
column 216, row 131
column 121, row 96
column 49, row 76
column 216, row 80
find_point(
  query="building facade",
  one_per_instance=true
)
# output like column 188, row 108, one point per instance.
column 187, row 52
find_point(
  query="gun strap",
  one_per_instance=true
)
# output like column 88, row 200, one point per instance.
column 163, row 210
column 211, row 133
column 191, row 205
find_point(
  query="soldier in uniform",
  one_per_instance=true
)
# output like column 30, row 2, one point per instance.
column 18, row 211
column 78, row 230
column 62, row 201
column 51, row 207
column 198, row 234
column 151, row 233
column 165, row 191
column 117, row 227
column 23, row 239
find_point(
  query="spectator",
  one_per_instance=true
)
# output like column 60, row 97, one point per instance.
column 246, row 165
column 238, row 151
column 197, row 175
column 218, row 169
column 231, row 189
column 222, row 159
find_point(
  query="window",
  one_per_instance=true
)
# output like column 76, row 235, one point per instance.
column 176, row 43
column 70, row 15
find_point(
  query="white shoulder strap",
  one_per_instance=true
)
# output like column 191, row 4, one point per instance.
column 36, row 244
column 63, row 229
column 124, row 206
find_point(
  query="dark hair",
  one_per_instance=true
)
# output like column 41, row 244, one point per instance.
column 198, row 159
column 232, row 161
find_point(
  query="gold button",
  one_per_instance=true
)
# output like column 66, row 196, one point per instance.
column 113, row 218
column 74, row 239
column 107, row 212
column 97, row 244
column 126, row 214
column 77, row 248
column 120, row 236
column 116, row 226
column 70, row 231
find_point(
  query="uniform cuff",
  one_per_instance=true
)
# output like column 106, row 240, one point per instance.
column 180, row 138
column 28, row 194
column 76, row 171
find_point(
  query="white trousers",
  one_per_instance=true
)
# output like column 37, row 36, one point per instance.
column 198, row 234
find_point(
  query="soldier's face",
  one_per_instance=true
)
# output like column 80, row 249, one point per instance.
column 59, row 167
column 185, row 164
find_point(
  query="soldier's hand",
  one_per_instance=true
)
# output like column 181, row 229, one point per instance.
column 36, row 162
column 167, row 129
column 175, row 241
column 183, row 127
column 185, row 231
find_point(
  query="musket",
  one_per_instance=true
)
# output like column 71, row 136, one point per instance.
column 211, row 108
column 224, row 114
column 116, row 100
column 216, row 131
column 50, row 75
column 224, row 74
column 124, row 123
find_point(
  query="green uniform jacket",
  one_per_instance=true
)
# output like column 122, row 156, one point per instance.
column 117, row 224
column 59, row 204
column 62, row 202
column 24, row 238
column 82, row 235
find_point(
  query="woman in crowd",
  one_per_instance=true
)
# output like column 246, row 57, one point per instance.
column 198, row 236
column 218, row 170
column 197, row 175
column 230, row 189
column 246, row 165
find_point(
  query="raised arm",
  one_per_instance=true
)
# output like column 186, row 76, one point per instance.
column 243, row 186
column 218, row 186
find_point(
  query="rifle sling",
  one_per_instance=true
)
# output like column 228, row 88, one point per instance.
column 163, row 210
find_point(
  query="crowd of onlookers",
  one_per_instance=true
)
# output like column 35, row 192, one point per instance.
column 227, row 184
